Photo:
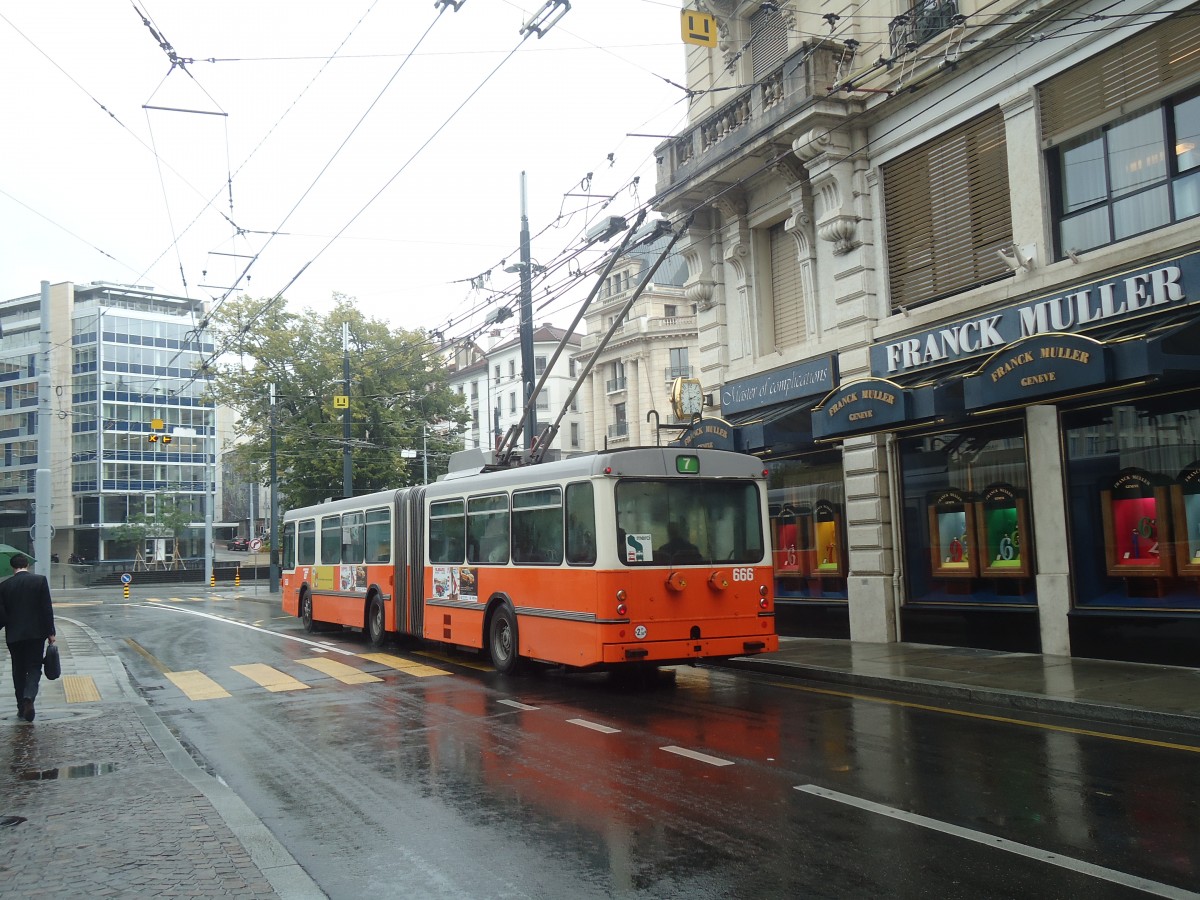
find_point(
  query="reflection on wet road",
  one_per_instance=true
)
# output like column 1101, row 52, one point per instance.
column 697, row 782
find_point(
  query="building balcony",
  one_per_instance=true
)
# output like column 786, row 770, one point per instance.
column 924, row 20
column 618, row 430
column 786, row 99
column 673, row 372
column 614, row 385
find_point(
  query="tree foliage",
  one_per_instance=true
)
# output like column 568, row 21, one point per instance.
column 171, row 518
column 398, row 398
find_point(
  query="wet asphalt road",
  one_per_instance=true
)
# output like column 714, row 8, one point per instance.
column 700, row 783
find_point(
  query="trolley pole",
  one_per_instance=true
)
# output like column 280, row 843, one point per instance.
column 347, row 469
column 273, row 571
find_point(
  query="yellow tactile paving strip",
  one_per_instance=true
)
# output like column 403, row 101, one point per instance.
column 342, row 672
column 407, row 666
column 196, row 685
column 272, row 679
column 80, row 689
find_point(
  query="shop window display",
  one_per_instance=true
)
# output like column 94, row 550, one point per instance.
column 808, row 529
column 965, row 523
column 1133, row 482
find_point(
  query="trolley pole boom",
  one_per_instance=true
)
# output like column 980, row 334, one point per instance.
column 509, row 444
column 547, row 436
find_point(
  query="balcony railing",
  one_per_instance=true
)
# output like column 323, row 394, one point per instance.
column 614, row 385
column 673, row 372
column 924, row 20
column 782, row 92
column 618, row 430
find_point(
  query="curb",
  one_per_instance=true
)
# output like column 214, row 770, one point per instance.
column 1016, row 700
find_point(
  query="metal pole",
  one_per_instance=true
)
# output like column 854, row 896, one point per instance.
column 273, row 572
column 425, row 449
column 347, row 471
column 527, row 373
column 210, row 500
column 43, row 491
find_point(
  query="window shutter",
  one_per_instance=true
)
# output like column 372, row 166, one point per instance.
column 946, row 209
column 769, row 41
column 786, row 289
column 1135, row 72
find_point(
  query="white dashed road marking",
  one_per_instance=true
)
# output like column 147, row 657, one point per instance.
column 988, row 840
column 515, row 705
column 699, row 757
column 603, row 729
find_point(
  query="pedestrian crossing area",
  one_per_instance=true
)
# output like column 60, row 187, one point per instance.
column 200, row 686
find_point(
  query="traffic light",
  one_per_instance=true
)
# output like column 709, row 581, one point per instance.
column 152, row 438
column 166, row 439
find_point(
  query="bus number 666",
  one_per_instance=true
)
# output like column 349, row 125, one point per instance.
column 743, row 574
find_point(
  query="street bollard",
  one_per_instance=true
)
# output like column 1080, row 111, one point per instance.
column 212, row 580
column 126, row 592
column 237, row 577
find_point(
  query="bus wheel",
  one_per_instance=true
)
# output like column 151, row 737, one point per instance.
column 375, row 632
column 306, row 618
column 502, row 641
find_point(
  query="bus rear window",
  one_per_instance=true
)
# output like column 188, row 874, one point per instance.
column 688, row 522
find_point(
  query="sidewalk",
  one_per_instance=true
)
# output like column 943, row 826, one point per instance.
column 1119, row 693
column 98, row 798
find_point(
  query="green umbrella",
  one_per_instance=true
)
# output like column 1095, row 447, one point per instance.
column 7, row 552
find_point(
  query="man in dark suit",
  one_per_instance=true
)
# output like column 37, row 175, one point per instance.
column 28, row 617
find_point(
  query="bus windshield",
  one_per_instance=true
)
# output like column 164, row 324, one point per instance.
column 688, row 522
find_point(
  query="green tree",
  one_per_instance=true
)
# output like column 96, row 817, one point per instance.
column 397, row 386
column 170, row 519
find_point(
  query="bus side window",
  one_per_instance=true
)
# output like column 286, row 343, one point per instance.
column 379, row 536
column 289, row 546
column 306, row 543
column 487, row 529
column 446, row 524
column 581, row 524
column 331, row 540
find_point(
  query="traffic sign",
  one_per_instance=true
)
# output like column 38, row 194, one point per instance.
column 256, row 544
column 341, row 401
column 126, row 578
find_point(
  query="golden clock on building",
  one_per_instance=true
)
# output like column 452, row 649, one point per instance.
column 687, row 397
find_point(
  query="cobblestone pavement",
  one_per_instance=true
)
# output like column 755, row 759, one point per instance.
column 98, row 798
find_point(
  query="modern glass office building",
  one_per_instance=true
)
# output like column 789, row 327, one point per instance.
column 131, row 425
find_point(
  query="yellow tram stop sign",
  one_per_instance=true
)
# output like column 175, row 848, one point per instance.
column 341, row 401
column 698, row 28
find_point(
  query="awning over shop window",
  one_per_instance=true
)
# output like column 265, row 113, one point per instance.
column 869, row 405
column 781, row 428
column 1028, row 370
column 1164, row 353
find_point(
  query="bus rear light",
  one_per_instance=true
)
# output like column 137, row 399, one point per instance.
column 622, row 609
column 762, row 603
column 762, row 590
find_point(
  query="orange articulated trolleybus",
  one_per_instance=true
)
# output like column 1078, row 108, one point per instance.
column 651, row 555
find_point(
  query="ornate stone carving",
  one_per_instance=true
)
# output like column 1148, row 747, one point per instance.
column 827, row 156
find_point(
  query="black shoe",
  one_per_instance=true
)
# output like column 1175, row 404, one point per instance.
column 29, row 711
column 22, row 708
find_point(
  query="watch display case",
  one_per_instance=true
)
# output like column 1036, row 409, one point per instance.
column 951, row 534
column 1003, row 540
column 1185, row 503
column 829, row 554
column 793, row 555
column 1136, row 518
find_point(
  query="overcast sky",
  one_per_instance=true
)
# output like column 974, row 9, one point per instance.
column 95, row 186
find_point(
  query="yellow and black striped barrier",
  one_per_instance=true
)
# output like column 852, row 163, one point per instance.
column 237, row 577
column 126, row 589
column 212, row 580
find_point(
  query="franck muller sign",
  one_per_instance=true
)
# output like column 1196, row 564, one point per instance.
column 1087, row 306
